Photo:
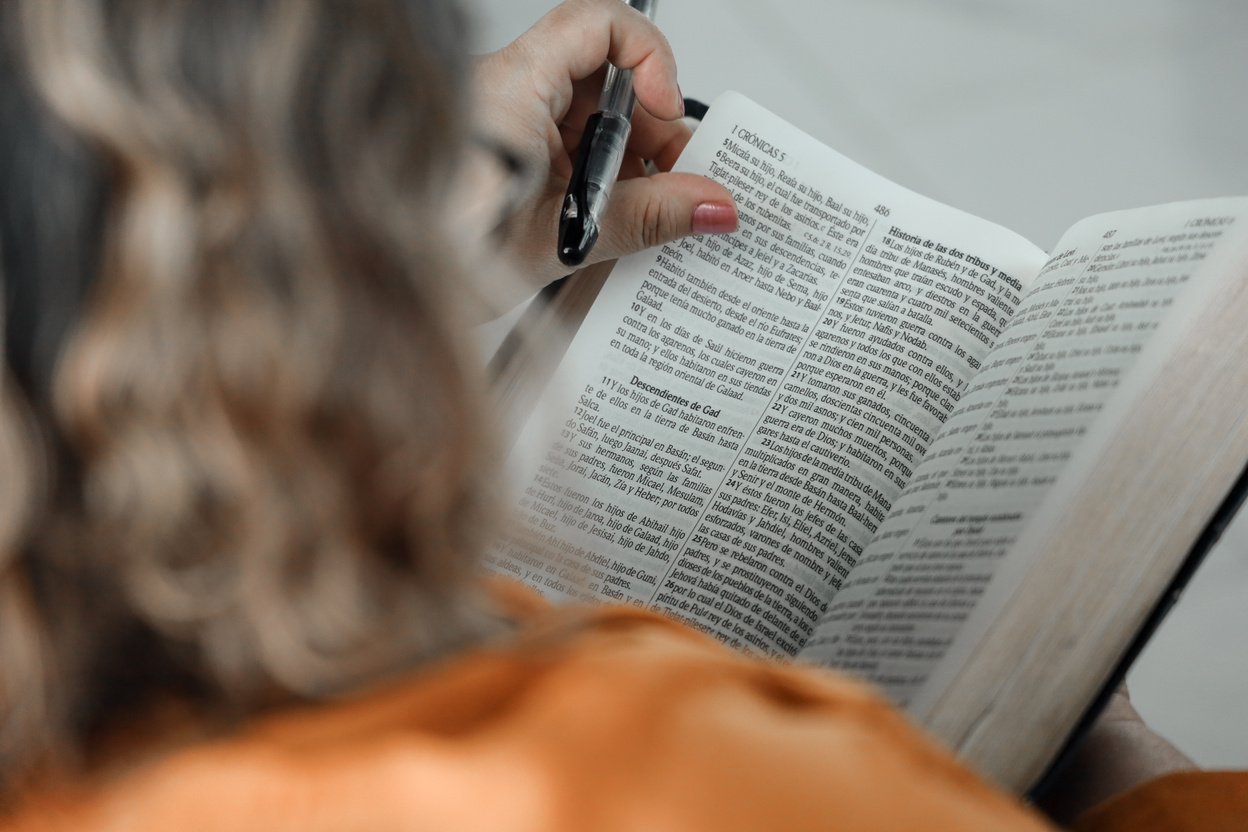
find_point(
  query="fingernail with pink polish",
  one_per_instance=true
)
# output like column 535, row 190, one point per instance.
column 715, row 218
column 680, row 99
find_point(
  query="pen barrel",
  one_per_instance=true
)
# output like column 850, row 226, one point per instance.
column 603, row 167
column 597, row 167
column 646, row 7
column 617, row 92
column 598, row 160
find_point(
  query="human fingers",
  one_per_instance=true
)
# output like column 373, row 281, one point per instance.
column 649, row 211
column 575, row 39
column 649, row 141
column 652, row 139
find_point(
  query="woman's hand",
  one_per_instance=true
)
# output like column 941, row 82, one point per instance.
column 1119, row 753
column 533, row 97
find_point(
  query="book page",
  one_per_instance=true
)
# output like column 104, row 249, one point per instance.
column 739, row 413
column 1094, row 307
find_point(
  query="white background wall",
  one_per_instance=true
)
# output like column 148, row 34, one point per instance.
column 1032, row 113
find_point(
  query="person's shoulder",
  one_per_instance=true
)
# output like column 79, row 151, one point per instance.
column 623, row 710
column 1208, row 801
column 589, row 718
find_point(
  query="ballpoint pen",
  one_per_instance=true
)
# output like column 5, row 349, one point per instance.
column 598, row 160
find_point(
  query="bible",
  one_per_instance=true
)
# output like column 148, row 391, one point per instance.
column 872, row 432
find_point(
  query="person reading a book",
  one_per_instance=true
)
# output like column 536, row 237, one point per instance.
column 249, row 467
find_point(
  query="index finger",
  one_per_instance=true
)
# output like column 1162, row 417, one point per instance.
column 576, row 38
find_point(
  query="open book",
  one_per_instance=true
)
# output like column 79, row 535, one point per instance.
column 873, row 432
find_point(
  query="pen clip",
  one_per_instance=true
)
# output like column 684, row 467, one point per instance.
column 578, row 230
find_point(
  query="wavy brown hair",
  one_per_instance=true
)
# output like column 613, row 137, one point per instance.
column 241, row 436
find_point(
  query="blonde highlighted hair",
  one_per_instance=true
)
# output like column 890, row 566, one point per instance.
column 249, row 465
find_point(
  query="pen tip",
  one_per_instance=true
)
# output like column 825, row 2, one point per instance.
column 572, row 256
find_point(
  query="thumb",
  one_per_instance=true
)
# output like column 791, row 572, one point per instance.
column 648, row 211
